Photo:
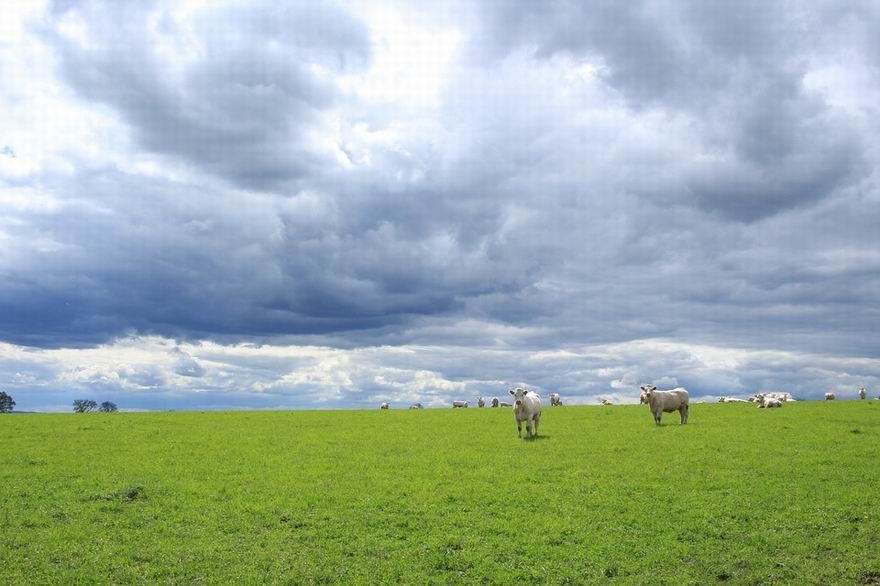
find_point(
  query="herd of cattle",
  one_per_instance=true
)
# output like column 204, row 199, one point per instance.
column 527, row 404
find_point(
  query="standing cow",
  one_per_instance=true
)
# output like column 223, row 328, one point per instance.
column 526, row 407
column 662, row 402
column 829, row 396
column 459, row 404
column 863, row 392
column 555, row 401
column 384, row 405
column 481, row 402
column 494, row 401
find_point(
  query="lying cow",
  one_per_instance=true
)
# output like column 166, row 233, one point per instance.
column 863, row 392
column 526, row 407
column 555, row 401
column 770, row 402
column 503, row 404
column 731, row 400
column 606, row 402
column 495, row 401
column 384, row 405
column 781, row 396
column 481, row 402
column 459, row 404
column 662, row 402
column 829, row 396
column 416, row 406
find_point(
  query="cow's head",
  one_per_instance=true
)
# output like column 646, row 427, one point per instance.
column 647, row 393
column 518, row 394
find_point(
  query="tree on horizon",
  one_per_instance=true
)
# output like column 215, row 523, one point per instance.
column 6, row 402
column 84, row 405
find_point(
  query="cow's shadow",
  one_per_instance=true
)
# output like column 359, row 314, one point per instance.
column 536, row 438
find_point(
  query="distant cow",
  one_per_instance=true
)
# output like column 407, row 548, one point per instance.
column 384, row 405
column 481, row 402
column 606, row 402
column 731, row 400
column 526, row 407
column 494, row 401
column 770, row 402
column 416, row 406
column 459, row 404
column 829, row 396
column 503, row 404
column 662, row 402
column 863, row 392
column 555, row 401
column 784, row 397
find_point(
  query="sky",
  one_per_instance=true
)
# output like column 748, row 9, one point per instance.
column 328, row 205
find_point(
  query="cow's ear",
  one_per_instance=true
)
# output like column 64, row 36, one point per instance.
column 511, row 392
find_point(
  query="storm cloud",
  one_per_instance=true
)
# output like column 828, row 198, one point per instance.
column 480, row 188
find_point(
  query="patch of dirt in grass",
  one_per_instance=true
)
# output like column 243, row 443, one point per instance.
column 127, row 495
column 870, row 578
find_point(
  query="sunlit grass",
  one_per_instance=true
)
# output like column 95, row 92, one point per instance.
column 739, row 495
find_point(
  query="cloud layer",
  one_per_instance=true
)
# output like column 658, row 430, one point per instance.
column 477, row 178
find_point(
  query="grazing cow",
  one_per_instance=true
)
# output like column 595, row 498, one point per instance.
column 459, row 404
column 555, row 401
column 416, row 406
column 481, row 402
column 770, row 402
column 829, row 396
column 494, row 401
column 503, row 404
column 526, row 407
column 384, row 405
column 863, row 392
column 606, row 402
column 662, row 402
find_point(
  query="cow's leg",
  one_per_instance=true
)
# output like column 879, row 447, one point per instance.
column 683, row 410
column 529, row 427
column 537, row 421
column 519, row 428
column 657, row 417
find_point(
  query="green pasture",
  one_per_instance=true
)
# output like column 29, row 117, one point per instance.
column 739, row 495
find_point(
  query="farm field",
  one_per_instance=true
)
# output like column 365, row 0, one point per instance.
column 739, row 495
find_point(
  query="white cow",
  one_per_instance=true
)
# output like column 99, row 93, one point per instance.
column 526, row 407
column 829, row 396
column 384, row 405
column 662, row 402
column 494, row 401
column 731, row 400
column 481, row 402
column 460, row 404
column 863, row 392
column 606, row 402
column 503, row 404
column 784, row 397
column 770, row 402
column 555, row 401
column 416, row 406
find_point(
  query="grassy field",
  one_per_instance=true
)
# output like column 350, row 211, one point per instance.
column 739, row 495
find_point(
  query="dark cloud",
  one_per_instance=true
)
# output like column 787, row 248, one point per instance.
column 235, row 92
